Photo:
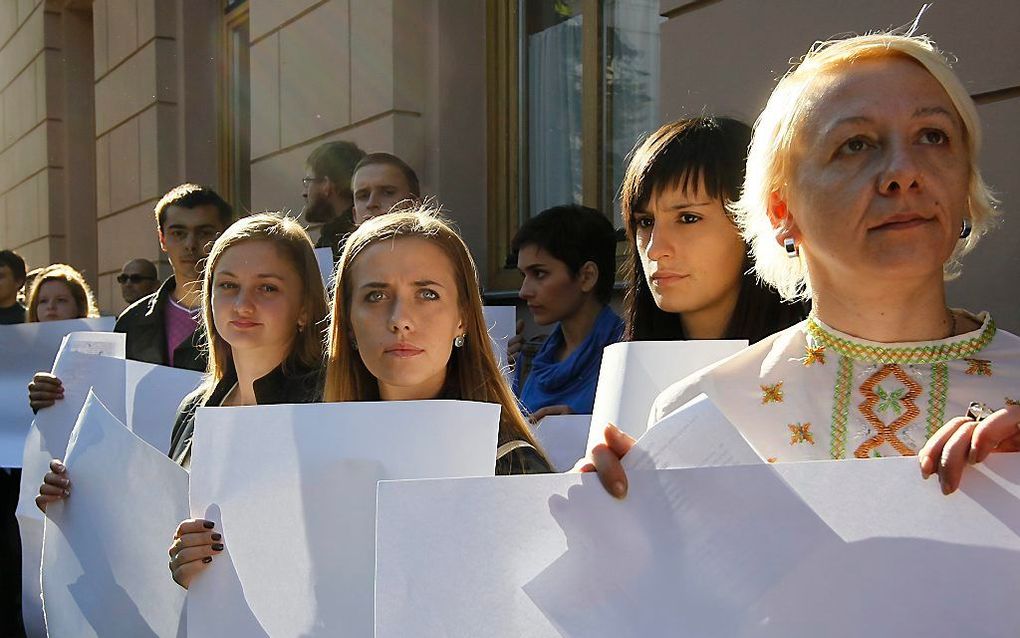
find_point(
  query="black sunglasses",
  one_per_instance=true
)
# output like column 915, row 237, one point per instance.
column 135, row 279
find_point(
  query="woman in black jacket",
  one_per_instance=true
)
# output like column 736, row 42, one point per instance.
column 264, row 311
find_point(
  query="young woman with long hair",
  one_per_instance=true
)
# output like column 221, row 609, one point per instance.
column 264, row 313
column 407, row 324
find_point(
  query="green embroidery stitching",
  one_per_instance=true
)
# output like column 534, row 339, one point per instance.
column 937, row 394
column 841, row 406
column 890, row 401
column 914, row 355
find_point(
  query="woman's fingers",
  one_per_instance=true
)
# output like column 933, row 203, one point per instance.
column 195, row 544
column 195, row 539
column 44, row 390
column 192, row 525
column 999, row 432
column 197, row 553
column 929, row 456
column 619, row 441
column 954, row 457
column 549, row 410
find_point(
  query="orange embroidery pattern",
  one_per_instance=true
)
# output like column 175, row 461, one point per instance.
column 801, row 433
column 979, row 367
column 772, row 393
column 771, row 459
column 814, row 355
column 887, row 433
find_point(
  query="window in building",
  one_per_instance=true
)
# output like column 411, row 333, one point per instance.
column 235, row 160
column 573, row 86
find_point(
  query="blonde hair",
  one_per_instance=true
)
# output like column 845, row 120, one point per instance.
column 769, row 164
column 74, row 280
column 476, row 375
column 294, row 245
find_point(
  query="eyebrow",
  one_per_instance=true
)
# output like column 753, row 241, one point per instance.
column 419, row 283
column 261, row 275
column 923, row 111
column 932, row 110
column 187, row 227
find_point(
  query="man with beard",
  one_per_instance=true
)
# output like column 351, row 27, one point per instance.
column 327, row 192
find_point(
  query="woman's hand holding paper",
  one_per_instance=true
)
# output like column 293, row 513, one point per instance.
column 44, row 390
column 963, row 440
column 55, row 485
column 195, row 544
column 605, row 457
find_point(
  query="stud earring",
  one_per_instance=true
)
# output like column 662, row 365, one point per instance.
column 458, row 341
column 965, row 228
column 791, row 247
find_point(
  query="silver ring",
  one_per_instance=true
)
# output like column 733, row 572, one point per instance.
column 978, row 411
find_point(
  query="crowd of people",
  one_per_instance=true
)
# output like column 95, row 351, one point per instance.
column 823, row 237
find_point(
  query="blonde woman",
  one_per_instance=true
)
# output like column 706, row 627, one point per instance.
column 407, row 324
column 862, row 193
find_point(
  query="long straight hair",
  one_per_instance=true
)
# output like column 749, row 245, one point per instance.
column 295, row 246
column 712, row 151
column 472, row 372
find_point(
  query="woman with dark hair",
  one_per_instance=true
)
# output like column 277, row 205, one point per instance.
column 689, row 272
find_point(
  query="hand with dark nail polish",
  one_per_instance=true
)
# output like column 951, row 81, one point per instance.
column 192, row 549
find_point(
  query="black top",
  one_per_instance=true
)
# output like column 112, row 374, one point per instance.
column 144, row 323
column 13, row 314
column 279, row 386
column 334, row 232
column 522, row 460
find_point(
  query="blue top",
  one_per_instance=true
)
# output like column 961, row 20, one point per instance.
column 572, row 381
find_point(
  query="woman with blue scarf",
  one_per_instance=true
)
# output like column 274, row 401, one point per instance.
column 567, row 256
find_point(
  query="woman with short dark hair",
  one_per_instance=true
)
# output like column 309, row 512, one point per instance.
column 567, row 255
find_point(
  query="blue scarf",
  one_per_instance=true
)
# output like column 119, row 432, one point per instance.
column 572, row 381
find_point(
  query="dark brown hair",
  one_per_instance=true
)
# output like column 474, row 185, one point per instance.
column 680, row 155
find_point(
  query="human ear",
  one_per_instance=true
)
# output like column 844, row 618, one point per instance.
column 588, row 275
column 782, row 219
column 162, row 239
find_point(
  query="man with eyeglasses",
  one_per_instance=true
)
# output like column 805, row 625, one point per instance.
column 329, row 201
column 137, row 279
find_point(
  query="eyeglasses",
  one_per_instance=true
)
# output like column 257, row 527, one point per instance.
column 135, row 279
column 312, row 180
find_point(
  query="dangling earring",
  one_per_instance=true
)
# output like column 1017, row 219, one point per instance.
column 965, row 228
column 791, row 247
column 458, row 341
column 300, row 328
column 354, row 343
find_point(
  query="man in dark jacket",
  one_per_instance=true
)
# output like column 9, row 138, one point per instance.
column 165, row 327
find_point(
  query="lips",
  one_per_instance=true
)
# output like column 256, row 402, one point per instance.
column 403, row 350
column 664, row 278
column 241, row 324
column 902, row 221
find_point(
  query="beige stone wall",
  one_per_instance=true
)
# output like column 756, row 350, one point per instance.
column 136, row 90
column 155, row 121
column 725, row 56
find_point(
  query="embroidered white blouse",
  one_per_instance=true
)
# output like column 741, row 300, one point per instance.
column 811, row 392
